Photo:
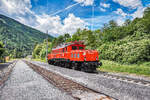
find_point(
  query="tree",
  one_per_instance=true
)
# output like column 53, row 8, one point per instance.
column 2, row 50
column 66, row 36
column 127, row 22
column 112, row 24
column 36, row 51
column 147, row 12
column 146, row 20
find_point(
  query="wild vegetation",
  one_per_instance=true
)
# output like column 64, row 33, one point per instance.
column 19, row 39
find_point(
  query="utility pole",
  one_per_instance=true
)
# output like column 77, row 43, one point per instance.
column 92, row 16
column 47, row 37
column 47, row 46
column 5, row 44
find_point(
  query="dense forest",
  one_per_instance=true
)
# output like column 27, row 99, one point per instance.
column 18, row 39
column 128, row 44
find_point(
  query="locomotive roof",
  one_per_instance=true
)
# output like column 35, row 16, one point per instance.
column 67, row 44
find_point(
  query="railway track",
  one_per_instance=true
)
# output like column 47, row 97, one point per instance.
column 126, row 79
column 74, row 89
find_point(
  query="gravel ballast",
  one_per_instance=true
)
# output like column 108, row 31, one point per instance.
column 118, row 89
column 25, row 84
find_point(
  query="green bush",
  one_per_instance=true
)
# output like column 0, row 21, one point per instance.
column 125, row 51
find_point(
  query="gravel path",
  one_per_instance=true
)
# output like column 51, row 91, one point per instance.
column 4, row 69
column 115, row 88
column 25, row 84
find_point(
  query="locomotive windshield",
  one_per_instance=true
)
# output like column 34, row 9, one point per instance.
column 77, row 47
column 80, row 48
column 74, row 48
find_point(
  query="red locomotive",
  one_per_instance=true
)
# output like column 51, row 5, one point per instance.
column 73, row 55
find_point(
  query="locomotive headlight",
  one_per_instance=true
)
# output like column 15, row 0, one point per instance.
column 84, row 53
column 96, row 58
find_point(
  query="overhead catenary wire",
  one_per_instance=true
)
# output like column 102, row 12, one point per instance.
column 92, row 22
column 68, row 7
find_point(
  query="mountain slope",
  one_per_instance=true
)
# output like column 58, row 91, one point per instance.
column 18, row 38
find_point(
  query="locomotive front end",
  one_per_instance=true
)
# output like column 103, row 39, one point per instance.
column 91, row 60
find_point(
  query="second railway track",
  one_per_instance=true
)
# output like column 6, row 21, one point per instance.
column 126, row 79
column 76, row 90
column 8, row 72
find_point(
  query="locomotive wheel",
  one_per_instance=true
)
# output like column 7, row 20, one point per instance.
column 82, row 68
column 55, row 63
column 63, row 64
column 52, row 62
column 67, row 65
column 49, row 62
column 75, row 66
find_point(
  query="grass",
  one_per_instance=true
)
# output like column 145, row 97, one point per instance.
column 110, row 66
column 41, row 60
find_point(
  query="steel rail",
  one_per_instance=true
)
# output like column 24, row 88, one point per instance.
column 125, row 79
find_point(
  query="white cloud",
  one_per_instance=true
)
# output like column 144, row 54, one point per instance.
column 46, row 22
column 139, row 12
column 85, row 2
column 129, row 3
column 120, row 21
column 55, row 26
column 133, row 4
column 15, row 6
column 102, row 9
column 105, row 5
column 120, row 12
column 72, row 23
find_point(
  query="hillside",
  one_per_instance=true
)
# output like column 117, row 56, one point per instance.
column 18, row 38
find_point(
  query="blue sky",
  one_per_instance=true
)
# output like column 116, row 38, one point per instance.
column 66, row 16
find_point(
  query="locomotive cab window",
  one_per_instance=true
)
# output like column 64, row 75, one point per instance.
column 66, row 49
column 80, row 48
column 74, row 48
